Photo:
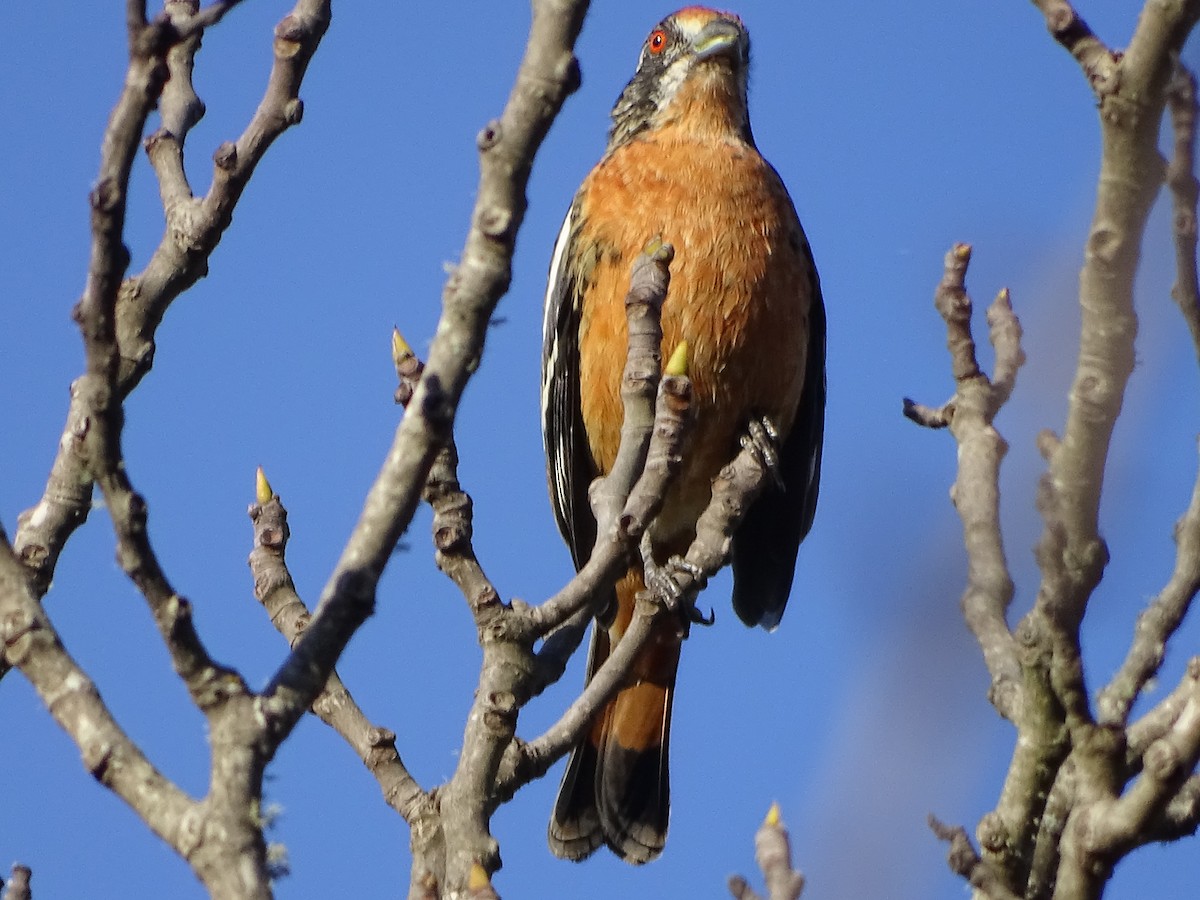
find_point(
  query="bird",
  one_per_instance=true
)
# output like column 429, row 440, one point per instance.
column 680, row 164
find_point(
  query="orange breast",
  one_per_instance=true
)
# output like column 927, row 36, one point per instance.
column 740, row 293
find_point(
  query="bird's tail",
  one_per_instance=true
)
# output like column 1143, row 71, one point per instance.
column 616, row 789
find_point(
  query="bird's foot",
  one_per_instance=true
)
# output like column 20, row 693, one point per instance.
column 676, row 584
column 762, row 439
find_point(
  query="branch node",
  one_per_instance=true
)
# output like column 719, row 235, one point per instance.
column 496, row 222
column 1161, row 760
column 489, row 136
column 289, row 34
column 225, row 157
column 293, row 111
column 992, row 833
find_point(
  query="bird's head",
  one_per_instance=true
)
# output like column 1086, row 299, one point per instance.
column 693, row 68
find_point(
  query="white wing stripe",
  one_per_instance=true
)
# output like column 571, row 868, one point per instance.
column 550, row 319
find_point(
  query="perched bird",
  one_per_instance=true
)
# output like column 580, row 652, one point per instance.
column 681, row 164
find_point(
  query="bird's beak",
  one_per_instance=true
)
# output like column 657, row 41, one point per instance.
column 717, row 37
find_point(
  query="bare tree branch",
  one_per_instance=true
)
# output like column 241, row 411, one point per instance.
column 1043, row 869
column 1069, row 29
column 43, row 530
column 179, row 107
column 205, row 18
column 1158, row 621
column 1072, row 554
column 194, row 226
column 1019, row 666
column 1166, row 765
column 273, row 586
column 649, row 282
column 101, row 402
column 1181, row 179
column 548, row 73
column 976, row 494
column 32, row 645
column 1180, row 818
column 1131, row 172
column 733, row 490
column 966, row 862
column 1063, row 820
column 202, row 833
column 1155, row 723
column 220, row 836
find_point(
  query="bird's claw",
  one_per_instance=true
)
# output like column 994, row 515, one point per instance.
column 762, row 439
column 676, row 583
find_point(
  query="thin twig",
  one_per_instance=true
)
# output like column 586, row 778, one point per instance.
column 1158, row 621
column 31, row 644
column 1098, row 62
column 1181, row 179
column 976, row 495
column 966, row 862
column 452, row 508
column 275, row 590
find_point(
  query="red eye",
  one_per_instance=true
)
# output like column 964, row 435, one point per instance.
column 657, row 41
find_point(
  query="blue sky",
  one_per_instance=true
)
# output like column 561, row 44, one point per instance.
column 899, row 129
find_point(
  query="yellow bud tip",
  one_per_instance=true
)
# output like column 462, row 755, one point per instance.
column 400, row 348
column 962, row 251
column 678, row 363
column 478, row 879
column 262, row 487
column 773, row 816
column 660, row 250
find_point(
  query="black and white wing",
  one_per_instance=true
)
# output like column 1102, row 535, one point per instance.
column 569, row 466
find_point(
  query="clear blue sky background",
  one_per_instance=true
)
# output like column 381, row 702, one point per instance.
column 899, row 129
